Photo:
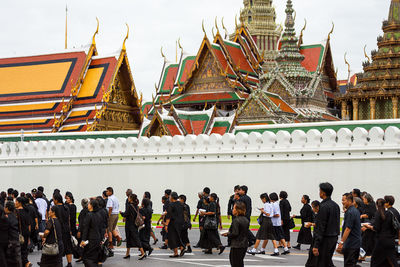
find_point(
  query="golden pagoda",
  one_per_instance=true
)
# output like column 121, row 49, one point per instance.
column 378, row 89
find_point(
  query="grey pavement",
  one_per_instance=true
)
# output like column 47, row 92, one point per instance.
column 197, row 258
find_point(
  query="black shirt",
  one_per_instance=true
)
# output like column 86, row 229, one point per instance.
column 13, row 231
column 306, row 214
column 4, row 228
column 23, row 221
column 175, row 214
column 353, row 222
column 231, row 203
column 327, row 221
column 247, row 201
column 72, row 216
column 91, row 229
column 370, row 211
column 238, row 232
column 51, row 237
column 62, row 214
column 384, row 227
column 81, row 218
column 285, row 207
column 147, row 213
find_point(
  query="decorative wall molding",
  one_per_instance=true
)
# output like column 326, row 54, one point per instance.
column 299, row 145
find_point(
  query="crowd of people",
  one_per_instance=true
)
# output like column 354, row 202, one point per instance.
column 31, row 221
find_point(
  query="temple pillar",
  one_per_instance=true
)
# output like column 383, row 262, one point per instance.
column 355, row 109
column 395, row 103
column 344, row 110
column 372, row 103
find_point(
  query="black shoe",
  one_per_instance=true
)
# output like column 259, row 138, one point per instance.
column 164, row 247
column 174, row 256
column 275, row 254
column 197, row 245
column 297, row 247
column 280, row 247
column 221, row 250
column 150, row 251
column 38, row 263
column 141, row 257
column 79, row 260
column 127, row 257
column 189, row 249
column 209, row 251
column 69, row 265
column 155, row 242
column 183, row 251
column 286, row 252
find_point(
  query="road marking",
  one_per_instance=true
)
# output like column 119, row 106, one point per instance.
column 268, row 257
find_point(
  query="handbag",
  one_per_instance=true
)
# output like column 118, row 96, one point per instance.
column 210, row 223
column 291, row 224
column 395, row 222
column 260, row 219
column 21, row 238
column 51, row 249
column 139, row 222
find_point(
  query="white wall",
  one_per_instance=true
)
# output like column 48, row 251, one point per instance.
column 295, row 162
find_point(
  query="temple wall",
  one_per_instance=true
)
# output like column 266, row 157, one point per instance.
column 296, row 162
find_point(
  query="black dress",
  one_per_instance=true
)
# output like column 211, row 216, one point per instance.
column 210, row 239
column 368, row 236
column 131, row 230
column 14, row 248
column 175, row 226
column 4, row 227
column 72, row 218
column 186, row 224
column 306, row 215
column 144, row 233
column 91, row 233
column 24, row 223
column 53, row 260
column 384, row 253
column 285, row 214
column 62, row 214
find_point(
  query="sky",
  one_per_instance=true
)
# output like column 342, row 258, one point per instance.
column 38, row 27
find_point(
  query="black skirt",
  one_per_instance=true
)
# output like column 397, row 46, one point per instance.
column 132, row 236
column 210, row 239
column 266, row 231
column 174, row 237
column 51, row 261
column 368, row 241
column 305, row 236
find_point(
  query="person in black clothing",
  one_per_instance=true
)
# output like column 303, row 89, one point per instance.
column 201, row 205
column 389, row 206
column 187, row 224
column 285, row 207
column 24, row 227
column 368, row 216
column 210, row 238
column 350, row 244
column 14, row 247
column 247, row 201
column 306, row 216
column 91, row 235
column 384, row 253
column 103, row 217
column 131, row 229
column 327, row 229
column 174, row 225
column 34, row 221
column 4, row 227
column 238, row 235
column 232, row 201
column 3, row 197
column 148, row 196
column 52, row 234
column 81, row 220
column 165, row 201
column 62, row 213
column 144, row 234
column 69, row 201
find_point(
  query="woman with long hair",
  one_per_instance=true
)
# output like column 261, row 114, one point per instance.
column 52, row 234
column 69, row 200
column 24, row 228
column 34, row 221
column 4, row 227
column 174, row 225
column 210, row 238
column 367, row 216
column 384, row 253
column 306, row 216
column 131, row 229
column 285, row 208
column 91, row 235
column 148, row 196
column 266, row 231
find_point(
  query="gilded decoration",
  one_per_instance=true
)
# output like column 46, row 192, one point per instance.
column 279, row 89
column 252, row 110
column 207, row 78
column 364, row 110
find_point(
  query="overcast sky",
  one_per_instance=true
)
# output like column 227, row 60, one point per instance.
column 37, row 27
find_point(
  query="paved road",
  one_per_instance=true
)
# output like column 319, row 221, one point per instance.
column 197, row 258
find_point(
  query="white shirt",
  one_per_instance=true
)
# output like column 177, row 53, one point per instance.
column 113, row 203
column 42, row 207
column 268, row 209
column 276, row 221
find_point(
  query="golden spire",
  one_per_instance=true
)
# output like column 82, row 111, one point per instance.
column 236, row 24
column 223, row 26
column 302, row 32
column 96, row 32
column 204, row 30
column 66, row 26
column 348, row 66
column 213, row 32
column 162, row 54
column 179, row 44
column 176, row 51
column 329, row 35
column 126, row 37
column 216, row 25
column 366, row 55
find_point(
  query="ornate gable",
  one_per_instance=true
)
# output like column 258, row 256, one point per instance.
column 278, row 88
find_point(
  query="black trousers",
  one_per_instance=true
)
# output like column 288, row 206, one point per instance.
column 91, row 253
column 14, row 254
column 351, row 256
column 3, row 252
column 326, row 250
column 251, row 238
column 24, row 250
column 236, row 257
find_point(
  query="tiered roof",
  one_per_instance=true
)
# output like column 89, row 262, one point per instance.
column 67, row 91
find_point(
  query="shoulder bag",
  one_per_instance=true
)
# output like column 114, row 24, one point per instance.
column 20, row 236
column 395, row 222
column 211, row 223
column 51, row 249
column 139, row 222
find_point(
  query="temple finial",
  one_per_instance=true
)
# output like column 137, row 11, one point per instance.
column 329, row 35
column 204, row 30
column 164, row 57
column 126, row 37
column 96, row 32
column 348, row 65
column 302, row 32
column 366, row 55
column 216, row 25
column 223, row 26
